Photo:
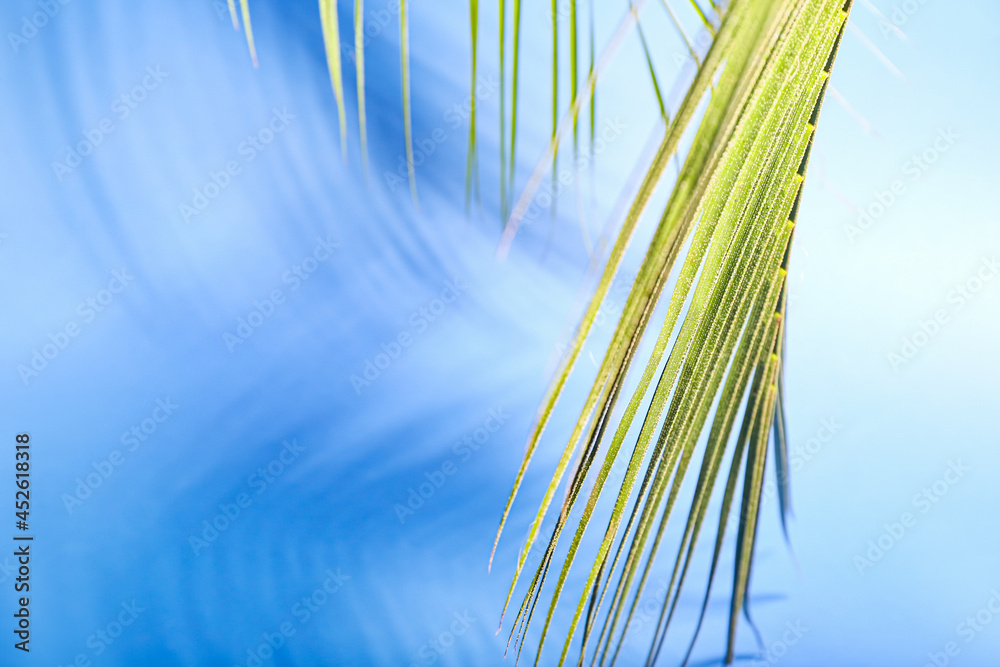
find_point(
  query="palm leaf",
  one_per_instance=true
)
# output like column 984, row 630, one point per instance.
column 555, row 90
column 515, row 76
column 590, row 75
column 649, row 63
column 574, row 64
column 680, row 30
column 404, row 58
column 359, row 68
column 701, row 15
column 331, row 39
column 502, row 15
column 740, row 183
column 245, row 12
column 470, row 165
column 232, row 14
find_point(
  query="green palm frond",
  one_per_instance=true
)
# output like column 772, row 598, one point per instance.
column 555, row 88
column 738, row 192
column 232, row 14
column 471, row 161
column 515, row 77
column 649, row 63
column 680, row 30
column 585, row 96
column 704, row 19
column 331, row 38
column 359, row 68
column 245, row 13
column 502, row 15
column 404, row 58
column 590, row 75
column 574, row 64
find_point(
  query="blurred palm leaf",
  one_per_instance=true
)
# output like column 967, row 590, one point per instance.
column 330, row 25
column 331, row 37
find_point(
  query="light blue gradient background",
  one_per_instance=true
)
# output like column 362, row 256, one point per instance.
column 492, row 348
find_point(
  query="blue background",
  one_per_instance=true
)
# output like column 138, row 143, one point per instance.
column 854, row 298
